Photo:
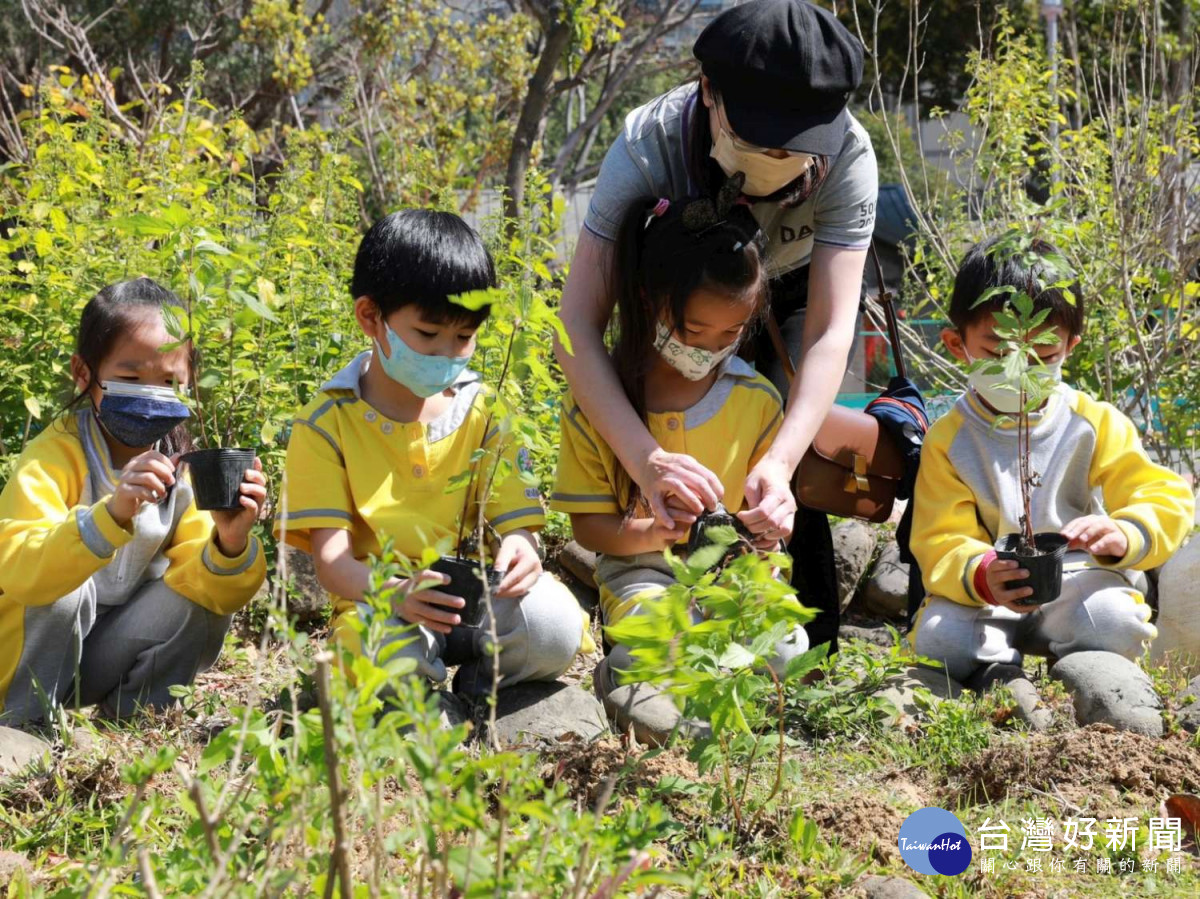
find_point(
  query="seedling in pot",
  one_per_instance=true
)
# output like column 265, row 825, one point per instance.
column 1022, row 329
column 719, row 528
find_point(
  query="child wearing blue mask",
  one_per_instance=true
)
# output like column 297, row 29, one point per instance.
column 114, row 587
column 371, row 457
column 1121, row 513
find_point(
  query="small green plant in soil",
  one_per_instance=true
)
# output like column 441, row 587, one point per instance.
column 720, row 667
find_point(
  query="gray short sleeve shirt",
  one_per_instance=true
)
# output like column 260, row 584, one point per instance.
column 649, row 159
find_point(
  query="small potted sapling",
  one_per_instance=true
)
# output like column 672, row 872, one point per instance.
column 1021, row 330
column 218, row 470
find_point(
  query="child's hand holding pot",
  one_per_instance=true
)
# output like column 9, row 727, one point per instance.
column 1098, row 534
column 998, row 574
column 518, row 559
column 233, row 525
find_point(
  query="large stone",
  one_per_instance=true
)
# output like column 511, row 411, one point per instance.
column 579, row 562
column 901, row 691
column 878, row 887
column 853, row 546
column 307, row 601
column 1187, row 706
column 1110, row 689
column 878, row 636
column 10, row 863
column 886, row 591
column 1178, row 620
column 19, row 750
column 547, row 712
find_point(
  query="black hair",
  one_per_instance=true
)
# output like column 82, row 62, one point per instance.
column 994, row 263
column 423, row 257
column 708, row 175
column 659, row 261
column 112, row 312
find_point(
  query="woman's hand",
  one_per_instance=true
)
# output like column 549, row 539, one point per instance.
column 678, row 488
column 772, row 505
column 518, row 559
column 233, row 525
column 144, row 479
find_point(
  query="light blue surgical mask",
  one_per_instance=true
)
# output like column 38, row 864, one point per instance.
column 423, row 375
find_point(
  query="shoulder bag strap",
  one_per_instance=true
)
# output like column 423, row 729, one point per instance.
column 889, row 311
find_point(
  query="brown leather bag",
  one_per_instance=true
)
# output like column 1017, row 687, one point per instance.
column 853, row 467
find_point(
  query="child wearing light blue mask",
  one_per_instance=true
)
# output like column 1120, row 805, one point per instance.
column 372, row 455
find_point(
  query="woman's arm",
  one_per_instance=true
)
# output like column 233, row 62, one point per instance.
column 835, row 282
column 587, row 306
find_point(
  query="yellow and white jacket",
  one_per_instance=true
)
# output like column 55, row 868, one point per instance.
column 1089, row 461
column 56, row 533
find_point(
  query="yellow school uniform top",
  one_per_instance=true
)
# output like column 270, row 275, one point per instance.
column 350, row 467
column 727, row 431
column 56, row 532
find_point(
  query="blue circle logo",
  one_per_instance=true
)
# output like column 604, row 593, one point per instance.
column 933, row 841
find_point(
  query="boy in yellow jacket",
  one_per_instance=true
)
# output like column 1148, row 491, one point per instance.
column 372, row 456
column 1121, row 512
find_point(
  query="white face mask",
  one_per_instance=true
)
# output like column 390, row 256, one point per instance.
column 690, row 361
column 997, row 392
column 764, row 174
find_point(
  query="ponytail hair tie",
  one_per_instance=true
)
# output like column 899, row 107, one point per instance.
column 660, row 208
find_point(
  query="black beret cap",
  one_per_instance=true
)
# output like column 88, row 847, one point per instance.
column 785, row 70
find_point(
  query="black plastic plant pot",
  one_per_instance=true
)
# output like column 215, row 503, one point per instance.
column 698, row 537
column 1045, row 566
column 466, row 582
column 217, row 476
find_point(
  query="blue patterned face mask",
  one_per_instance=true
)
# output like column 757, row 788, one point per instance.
column 139, row 414
column 423, row 375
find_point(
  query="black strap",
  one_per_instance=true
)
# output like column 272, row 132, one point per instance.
column 889, row 311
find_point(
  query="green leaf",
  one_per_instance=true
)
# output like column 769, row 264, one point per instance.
column 211, row 247
column 34, row 407
column 143, row 225
column 43, row 242
column 477, row 299
column 736, row 656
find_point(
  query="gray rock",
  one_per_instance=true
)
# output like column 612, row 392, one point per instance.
column 307, row 601
column 551, row 712
column 878, row 636
column 1110, row 689
column 1187, row 705
column 877, row 887
column 10, row 863
column 1178, row 620
column 853, row 546
column 901, row 691
column 580, row 562
column 19, row 750
column 886, row 591
column 1030, row 707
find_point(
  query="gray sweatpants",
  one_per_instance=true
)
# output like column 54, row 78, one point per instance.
column 1098, row 610
column 80, row 650
column 539, row 635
